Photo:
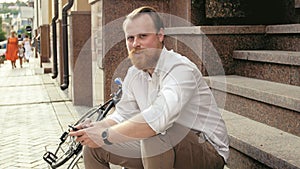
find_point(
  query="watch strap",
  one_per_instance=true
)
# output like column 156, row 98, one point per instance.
column 107, row 142
column 105, row 137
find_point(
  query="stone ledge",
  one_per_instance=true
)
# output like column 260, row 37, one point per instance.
column 210, row 30
column 237, row 29
column 281, row 57
column 80, row 12
column 268, row 145
column 47, row 66
column 283, row 95
column 283, row 29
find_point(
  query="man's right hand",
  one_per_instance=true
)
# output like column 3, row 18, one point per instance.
column 85, row 124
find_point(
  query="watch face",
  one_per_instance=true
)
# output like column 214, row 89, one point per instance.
column 104, row 134
column 104, row 137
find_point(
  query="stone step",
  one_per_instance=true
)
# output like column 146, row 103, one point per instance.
column 283, row 37
column 283, row 29
column 270, row 56
column 274, row 104
column 272, row 65
column 285, row 96
column 256, row 145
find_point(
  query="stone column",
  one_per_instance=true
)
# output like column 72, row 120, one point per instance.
column 97, row 52
column 81, row 58
column 44, row 43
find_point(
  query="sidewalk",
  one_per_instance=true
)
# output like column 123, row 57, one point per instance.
column 33, row 114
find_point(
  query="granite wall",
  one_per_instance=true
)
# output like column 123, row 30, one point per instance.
column 211, row 47
column 228, row 12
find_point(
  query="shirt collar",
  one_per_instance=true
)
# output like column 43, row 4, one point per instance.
column 161, row 61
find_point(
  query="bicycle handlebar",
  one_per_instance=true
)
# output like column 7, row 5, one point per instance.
column 118, row 81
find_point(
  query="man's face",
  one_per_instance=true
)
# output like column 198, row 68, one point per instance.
column 143, row 42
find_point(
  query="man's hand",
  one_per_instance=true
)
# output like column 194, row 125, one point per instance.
column 85, row 124
column 90, row 136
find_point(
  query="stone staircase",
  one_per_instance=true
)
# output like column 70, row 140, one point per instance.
column 262, row 119
column 260, row 102
column 257, row 90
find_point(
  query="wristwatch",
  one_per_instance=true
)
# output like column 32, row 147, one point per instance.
column 105, row 137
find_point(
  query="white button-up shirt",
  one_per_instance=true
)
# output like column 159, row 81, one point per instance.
column 176, row 92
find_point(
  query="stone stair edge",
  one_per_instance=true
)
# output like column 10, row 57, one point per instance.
column 283, row 29
column 271, row 56
column 283, row 95
column 271, row 146
column 234, row 29
column 208, row 30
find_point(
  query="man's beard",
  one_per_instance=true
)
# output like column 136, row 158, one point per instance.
column 144, row 59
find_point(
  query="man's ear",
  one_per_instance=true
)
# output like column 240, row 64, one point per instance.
column 161, row 34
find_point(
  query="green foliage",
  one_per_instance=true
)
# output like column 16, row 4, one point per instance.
column 20, row 3
column 11, row 11
column 23, row 30
column 5, row 10
column 2, row 36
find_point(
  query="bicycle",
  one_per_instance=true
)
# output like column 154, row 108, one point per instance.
column 68, row 148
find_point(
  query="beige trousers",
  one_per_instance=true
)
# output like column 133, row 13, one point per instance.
column 169, row 151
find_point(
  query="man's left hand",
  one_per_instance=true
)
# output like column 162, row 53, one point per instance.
column 90, row 136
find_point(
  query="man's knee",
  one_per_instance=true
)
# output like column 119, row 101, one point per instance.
column 95, row 153
column 86, row 151
column 164, row 160
column 95, row 158
column 157, row 152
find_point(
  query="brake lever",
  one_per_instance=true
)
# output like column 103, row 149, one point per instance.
column 73, row 128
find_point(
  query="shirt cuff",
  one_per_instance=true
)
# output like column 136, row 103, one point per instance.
column 153, row 119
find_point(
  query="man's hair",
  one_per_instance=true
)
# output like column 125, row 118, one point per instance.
column 158, row 23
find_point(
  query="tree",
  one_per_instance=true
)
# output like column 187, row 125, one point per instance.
column 2, row 34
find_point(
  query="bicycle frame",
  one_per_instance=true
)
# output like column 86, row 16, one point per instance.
column 74, row 148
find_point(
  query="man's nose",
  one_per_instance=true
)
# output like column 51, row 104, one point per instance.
column 136, row 43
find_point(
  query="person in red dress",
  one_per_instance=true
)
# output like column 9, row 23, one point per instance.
column 12, row 49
